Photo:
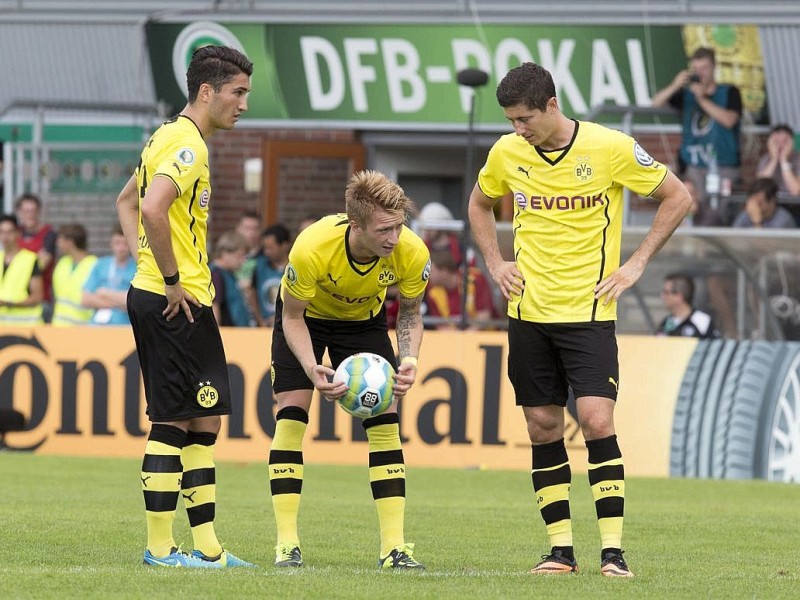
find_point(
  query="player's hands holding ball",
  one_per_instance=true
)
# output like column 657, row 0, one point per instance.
column 322, row 378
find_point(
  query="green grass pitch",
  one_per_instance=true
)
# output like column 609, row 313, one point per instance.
column 74, row 528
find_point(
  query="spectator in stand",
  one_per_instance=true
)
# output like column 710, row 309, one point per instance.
column 677, row 293
column 761, row 208
column 21, row 287
column 230, row 307
column 439, row 239
column 443, row 297
column 249, row 228
column 106, row 289
column 701, row 214
column 40, row 238
column 270, row 264
column 710, row 113
column 69, row 276
column 718, row 285
column 781, row 163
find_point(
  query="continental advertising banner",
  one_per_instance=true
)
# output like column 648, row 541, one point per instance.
column 405, row 75
column 721, row 409
column 81, row 393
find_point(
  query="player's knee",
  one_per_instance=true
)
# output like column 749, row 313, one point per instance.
column 544, row 430
column 595, row 427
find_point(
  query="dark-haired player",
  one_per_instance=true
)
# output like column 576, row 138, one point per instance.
column 163, row 210
column 567, row 181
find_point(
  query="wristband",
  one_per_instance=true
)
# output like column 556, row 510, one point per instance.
column 172, row 279
column 410, row 360
column 785, row 166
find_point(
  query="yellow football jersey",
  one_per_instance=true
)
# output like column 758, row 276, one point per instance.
column 568, row 216
column 177, row 151
column 322, row 272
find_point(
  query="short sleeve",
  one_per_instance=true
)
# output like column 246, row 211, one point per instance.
column 415, row 279
column 676, row 100
column 490, row 178
column 633, row 167
column 734, row 100
column 184, row 162
column 301, row 274
column 92, row 282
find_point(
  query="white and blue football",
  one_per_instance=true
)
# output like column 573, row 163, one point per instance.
column 370, row 383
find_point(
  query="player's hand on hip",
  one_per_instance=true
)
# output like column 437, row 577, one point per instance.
column 322, row 378
column 508, row 278
column 178, row 300
column 404, row 378
column 611, row 288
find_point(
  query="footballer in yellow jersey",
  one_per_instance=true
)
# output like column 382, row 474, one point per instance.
column 568, row 216
column 163, row 211
column 177, row 152
column 332, row 298
column 566, row 178
column 323, row 271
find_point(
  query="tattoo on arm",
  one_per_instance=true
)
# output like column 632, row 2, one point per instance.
column 409, row 326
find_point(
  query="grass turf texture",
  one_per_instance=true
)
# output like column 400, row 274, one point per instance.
column 74, row 528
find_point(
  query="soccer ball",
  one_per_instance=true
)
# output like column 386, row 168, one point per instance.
column 370, row 382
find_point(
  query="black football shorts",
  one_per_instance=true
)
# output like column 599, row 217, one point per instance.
column 340, row 338
column 546, row 359
column 183, row 364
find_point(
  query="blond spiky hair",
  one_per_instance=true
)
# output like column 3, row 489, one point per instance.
column 368, row 190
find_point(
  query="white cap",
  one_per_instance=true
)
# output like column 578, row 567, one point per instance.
column 435, row 211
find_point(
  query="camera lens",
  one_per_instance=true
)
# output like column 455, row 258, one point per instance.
column 694, row 78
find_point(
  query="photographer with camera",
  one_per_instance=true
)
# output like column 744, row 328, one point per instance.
column 710, row 114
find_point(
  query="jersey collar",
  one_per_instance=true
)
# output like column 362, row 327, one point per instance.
column 544, row 154
column 191, row 121
column 358, row 267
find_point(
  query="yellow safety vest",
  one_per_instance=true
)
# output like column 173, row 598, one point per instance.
column 68, row 280
column 14, row 283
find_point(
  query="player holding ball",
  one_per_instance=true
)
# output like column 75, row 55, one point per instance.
column 332, row 297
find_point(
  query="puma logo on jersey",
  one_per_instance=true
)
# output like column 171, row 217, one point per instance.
column 333, row 281
column 526, row 171
column 178, row 168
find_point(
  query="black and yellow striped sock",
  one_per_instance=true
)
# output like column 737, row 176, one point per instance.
column 199, row 490
column 607, row 478
column 551, row 475
column 286, row 471
column 387, row 477
column 161, row 484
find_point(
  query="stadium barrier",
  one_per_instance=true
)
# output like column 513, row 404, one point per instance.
column 709, row 409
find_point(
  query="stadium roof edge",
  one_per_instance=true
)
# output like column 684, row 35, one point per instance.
column 768, row 13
